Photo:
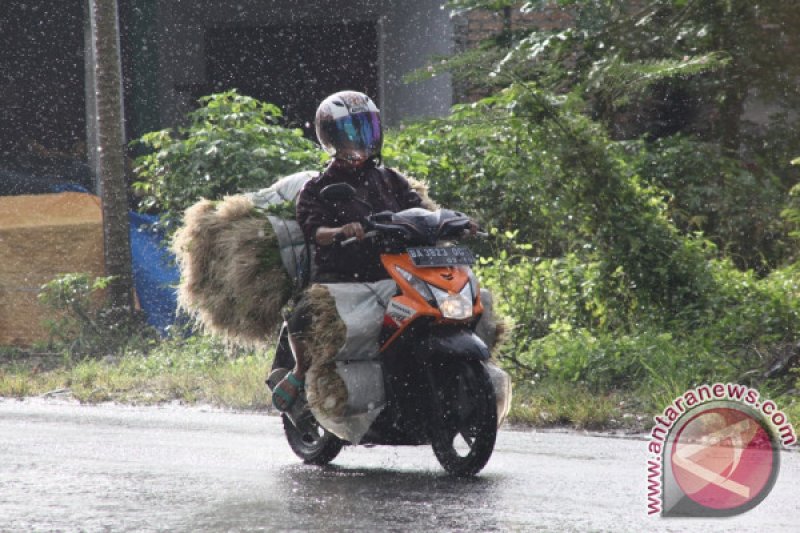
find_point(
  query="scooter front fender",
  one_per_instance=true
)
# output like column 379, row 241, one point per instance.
column 460, row 344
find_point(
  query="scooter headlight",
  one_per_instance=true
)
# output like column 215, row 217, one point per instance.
column 455, row 306
column 417, row 284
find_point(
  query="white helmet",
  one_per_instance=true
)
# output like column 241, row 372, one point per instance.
column 348, row 126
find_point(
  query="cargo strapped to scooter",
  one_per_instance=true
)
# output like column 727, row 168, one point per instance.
column 241, row 259
column 296, row 255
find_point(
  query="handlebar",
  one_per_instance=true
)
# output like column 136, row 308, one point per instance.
column 407, row 231
column 351, row 240
column 373, row 234
column 480, row 234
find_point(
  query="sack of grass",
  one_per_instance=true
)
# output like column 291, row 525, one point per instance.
column 241, row 259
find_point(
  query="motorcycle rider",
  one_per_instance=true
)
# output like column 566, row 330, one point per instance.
column 348, row 127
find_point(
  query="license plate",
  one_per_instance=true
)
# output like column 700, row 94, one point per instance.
column 439, row 257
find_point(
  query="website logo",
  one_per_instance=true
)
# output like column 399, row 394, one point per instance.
column 715, row 451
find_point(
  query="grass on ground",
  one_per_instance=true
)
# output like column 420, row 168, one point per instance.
column 192, row 371
column 197, row 370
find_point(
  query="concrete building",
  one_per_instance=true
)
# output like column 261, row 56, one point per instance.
column 291, row 53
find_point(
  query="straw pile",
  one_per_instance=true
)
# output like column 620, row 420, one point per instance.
column 41, row 237
column 325, row 390
column 421, row 188
column 232, row 280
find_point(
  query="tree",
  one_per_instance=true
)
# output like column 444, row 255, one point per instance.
column 655, row 69
column 231, row 143
column 111, row 150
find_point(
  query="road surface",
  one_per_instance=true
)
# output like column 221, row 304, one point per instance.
column 67, row 467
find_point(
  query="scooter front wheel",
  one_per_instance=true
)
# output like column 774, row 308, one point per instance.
column 313, row 444
column 464, row 438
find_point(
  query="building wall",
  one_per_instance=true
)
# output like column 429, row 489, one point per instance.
column 409, row 31
column 475, row 26
column 414, row 32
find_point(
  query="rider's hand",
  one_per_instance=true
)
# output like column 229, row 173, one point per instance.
column 326, row 236
column 353, row 229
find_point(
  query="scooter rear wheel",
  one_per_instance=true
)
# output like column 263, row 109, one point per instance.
column 464, row 439
column 314, row 445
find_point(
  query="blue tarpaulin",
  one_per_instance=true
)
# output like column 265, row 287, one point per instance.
column 155, row 274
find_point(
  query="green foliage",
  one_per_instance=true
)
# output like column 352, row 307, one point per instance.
column 83, row 324
column 631, row 258
column 752, row 313
column 747, row 332
column 482, row 4
column 663, row 39
column 524, row 160
column 546, row 293
column 656, row 68
column 792, row 212
column 232, row 143
column 178, row 353
column 617, row 83
column 611, row 52
column 488, row 162
column 735, row 205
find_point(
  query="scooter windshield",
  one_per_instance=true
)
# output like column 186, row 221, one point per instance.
column 429, row 226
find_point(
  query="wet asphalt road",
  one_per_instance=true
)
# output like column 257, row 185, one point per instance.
column 65, row 467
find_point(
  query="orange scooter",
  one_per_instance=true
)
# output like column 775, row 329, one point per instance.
column 438, row 387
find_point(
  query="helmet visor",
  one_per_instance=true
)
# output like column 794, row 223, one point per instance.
column 355, row 136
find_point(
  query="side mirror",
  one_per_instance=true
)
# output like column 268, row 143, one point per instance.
column 337, row 192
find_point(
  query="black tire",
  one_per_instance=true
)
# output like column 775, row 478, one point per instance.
column 463, row 440
column 316, row 446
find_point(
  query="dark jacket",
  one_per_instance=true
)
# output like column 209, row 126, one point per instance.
column 382, row 188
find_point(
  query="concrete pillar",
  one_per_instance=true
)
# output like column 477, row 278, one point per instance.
column 413, row 32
